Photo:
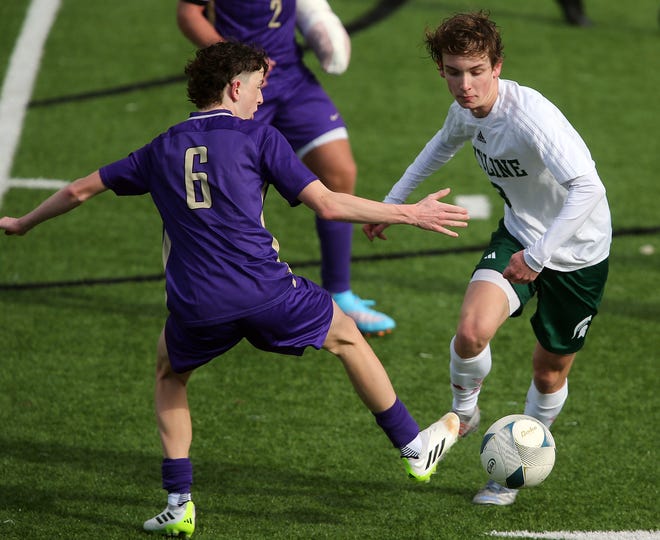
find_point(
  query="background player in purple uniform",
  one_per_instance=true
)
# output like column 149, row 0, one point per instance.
column 296, row 104
column 208, row 177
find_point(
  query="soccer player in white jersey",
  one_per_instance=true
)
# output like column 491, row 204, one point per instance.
column 553, row 240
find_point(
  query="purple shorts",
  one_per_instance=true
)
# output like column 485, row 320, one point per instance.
column 302, row 319
column 296, row 104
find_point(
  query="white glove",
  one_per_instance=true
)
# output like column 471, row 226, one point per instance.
column 325, row 34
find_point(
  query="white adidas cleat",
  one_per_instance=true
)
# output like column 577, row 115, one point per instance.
column 495, row 494
column 173, row 522
column 437, row 439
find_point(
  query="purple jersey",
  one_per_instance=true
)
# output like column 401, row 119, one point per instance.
column 269, row 24
column 208, row 177
column 294, row 101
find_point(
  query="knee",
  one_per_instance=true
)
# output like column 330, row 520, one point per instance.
column 340, row 177
column 548, row 381
column 470, row 340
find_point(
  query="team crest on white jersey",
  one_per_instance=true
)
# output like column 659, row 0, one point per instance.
column 581, row 328
column 481, row 137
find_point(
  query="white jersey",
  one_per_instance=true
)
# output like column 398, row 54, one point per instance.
column 555, row 203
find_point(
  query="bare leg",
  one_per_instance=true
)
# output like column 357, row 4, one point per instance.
column 333, row 163
column 551, row 370
column 485, row 308
column 172, row 412
column 362, row 366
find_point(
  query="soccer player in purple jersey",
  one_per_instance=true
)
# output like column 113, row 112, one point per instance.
column 296, row 104
column 208, row 177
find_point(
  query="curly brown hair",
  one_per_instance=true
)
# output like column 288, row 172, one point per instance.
column 215, row 66
column 465, row 34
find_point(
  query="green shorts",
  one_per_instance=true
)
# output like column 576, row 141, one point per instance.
column 567, row 301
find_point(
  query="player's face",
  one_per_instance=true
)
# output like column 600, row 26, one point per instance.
column 472, row 81
column 249, row 91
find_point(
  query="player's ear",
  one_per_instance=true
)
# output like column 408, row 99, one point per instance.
column 234, row 87
column 441, row 69
column 497, row 69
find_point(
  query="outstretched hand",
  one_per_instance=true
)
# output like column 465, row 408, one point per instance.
column 430, row 215
column 437, row 216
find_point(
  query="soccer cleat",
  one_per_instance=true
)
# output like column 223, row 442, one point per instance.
column 437, row 439
column 469, row 424
column 495, row 494
column 173, row 522
column 369, row 321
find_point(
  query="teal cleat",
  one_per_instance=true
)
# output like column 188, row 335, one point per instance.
column 369, row 321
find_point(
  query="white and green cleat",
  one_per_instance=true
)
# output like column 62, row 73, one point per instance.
column 173, row 522
column 437, row 439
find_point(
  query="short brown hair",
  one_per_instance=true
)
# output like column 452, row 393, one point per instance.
column 466, row 34
column 215, row 66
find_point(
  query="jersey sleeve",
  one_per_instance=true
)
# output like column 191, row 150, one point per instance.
column 282, row 168
column 584, row 194
column 126, row 177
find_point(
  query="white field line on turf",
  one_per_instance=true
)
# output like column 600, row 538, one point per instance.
column 17, row 89
column 580, row 535
column 36, row 183
column 19, row 81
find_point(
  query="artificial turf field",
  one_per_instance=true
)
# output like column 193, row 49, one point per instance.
column 283, row 448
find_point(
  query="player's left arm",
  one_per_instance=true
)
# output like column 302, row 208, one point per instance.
column 62, row 201
column 584, row 194
column 429, row 213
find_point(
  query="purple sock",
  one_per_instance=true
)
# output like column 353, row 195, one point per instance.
column 336, row 240
column 177, row 475
column 398, row 424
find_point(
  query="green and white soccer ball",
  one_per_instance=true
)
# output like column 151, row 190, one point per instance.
column 518, row 451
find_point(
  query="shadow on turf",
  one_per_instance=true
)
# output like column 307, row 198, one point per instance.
column 117, row 489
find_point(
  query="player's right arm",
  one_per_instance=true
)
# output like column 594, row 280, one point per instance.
column 192, row 21
column 62, row 201
column 194, row 25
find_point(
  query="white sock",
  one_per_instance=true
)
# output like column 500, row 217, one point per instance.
column 545, row 407
column 175, row 500
column 467, row 375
